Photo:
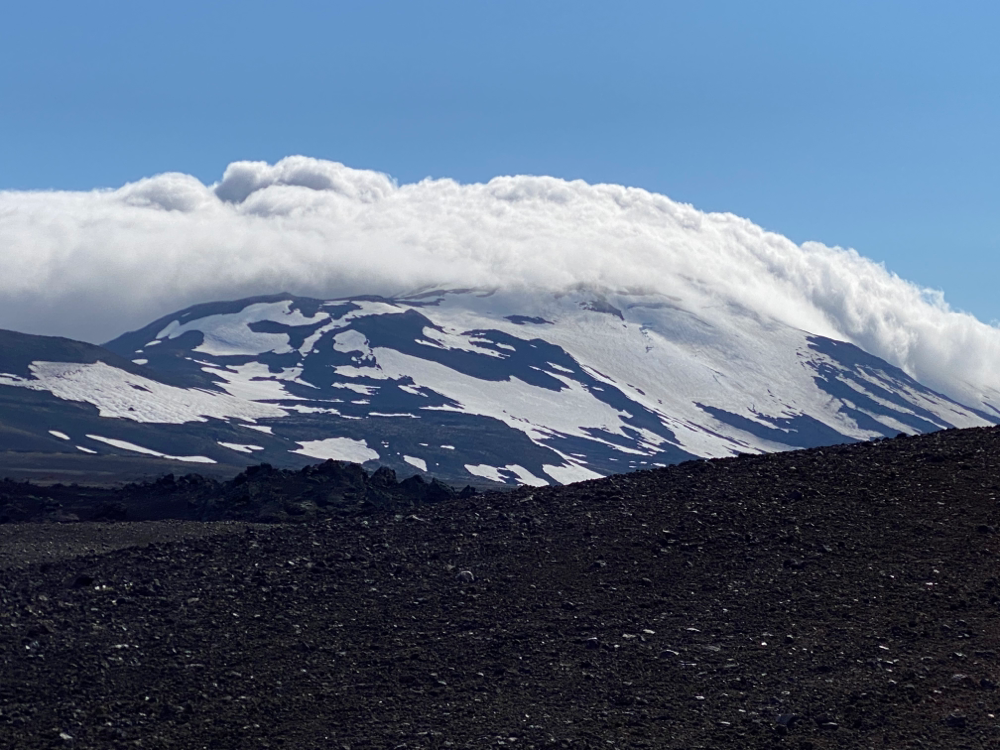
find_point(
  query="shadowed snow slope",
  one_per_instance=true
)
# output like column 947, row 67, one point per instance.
column 506, row 386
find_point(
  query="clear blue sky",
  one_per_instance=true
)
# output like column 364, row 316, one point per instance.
column 866, row 124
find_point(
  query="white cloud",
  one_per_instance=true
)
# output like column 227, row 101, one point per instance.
column 92, row 265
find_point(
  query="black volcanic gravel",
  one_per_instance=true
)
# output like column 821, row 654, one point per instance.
column 24, row 544
column 838, row 598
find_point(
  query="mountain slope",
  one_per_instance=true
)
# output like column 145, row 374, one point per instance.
column 488, row 386
column 62, row 400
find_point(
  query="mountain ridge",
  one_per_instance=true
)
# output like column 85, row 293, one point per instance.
column 480, row 385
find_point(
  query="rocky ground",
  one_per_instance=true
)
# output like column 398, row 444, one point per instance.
column 838, row 598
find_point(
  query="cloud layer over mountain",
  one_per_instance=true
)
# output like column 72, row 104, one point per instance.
column 91, row 265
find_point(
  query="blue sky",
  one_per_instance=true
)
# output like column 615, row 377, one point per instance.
column 871, row 125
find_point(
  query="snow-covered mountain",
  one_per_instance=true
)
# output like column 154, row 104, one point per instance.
column 465, row 385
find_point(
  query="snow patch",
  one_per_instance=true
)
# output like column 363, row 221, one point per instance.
column 229, row 334
column 412, row 390
column 485, row 471
column 123, row 395
column 312, row 410
column 494, row 473
column 538, row 412
column 254, row 381
column 124, row 445
column 418, row 462
column 351, row 341
column 455, row 340
column 241, row 448
column 372, row 373
column 366, row 390
column 526, row 477
column 339, row 449
column 569, row 473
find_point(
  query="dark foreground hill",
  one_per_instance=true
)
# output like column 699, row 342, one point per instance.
column 838, row 598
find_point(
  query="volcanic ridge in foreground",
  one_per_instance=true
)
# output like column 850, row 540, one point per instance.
column 835, row 597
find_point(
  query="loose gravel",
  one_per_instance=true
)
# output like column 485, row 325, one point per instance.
column 838, row 598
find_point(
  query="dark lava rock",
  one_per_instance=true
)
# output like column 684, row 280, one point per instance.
column 259, row 494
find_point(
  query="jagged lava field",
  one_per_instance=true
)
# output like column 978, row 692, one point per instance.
column 835, row 597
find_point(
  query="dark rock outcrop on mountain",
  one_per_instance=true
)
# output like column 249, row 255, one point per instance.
column 843, row 597
column 260, row 493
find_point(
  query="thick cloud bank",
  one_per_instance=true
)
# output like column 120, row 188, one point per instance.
column 92, row 265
